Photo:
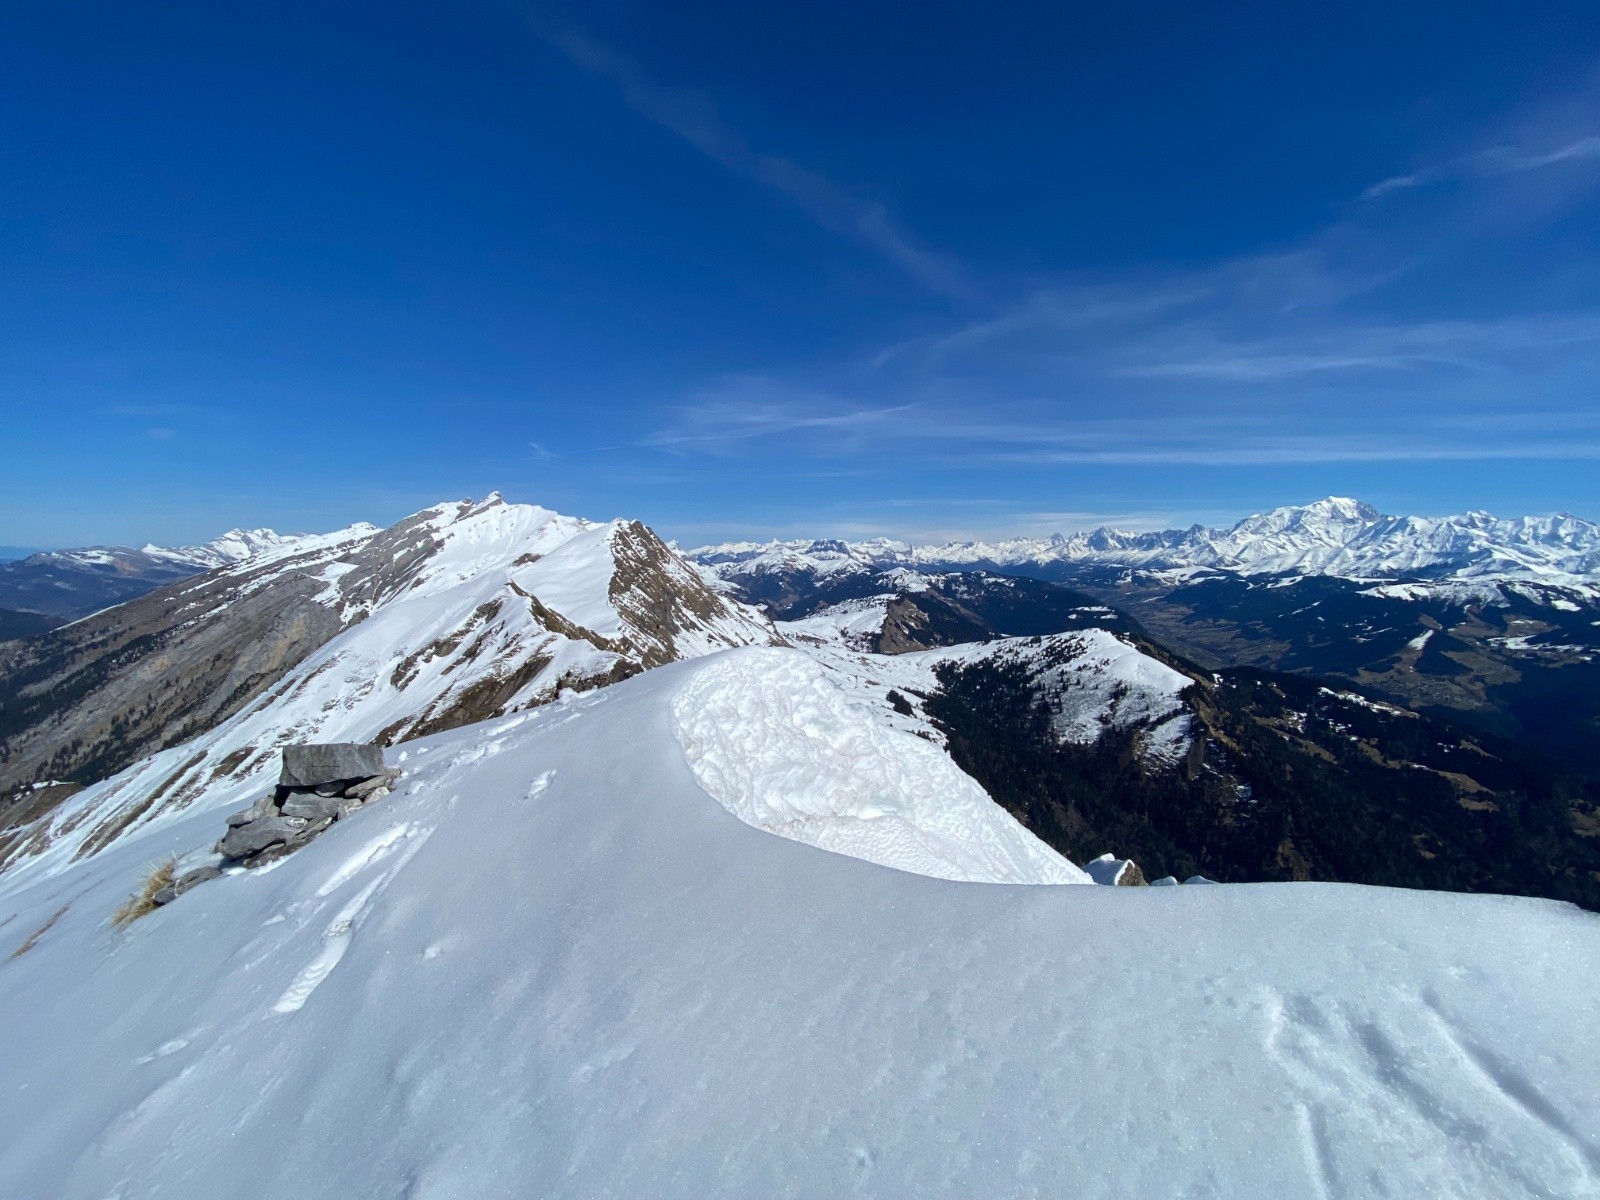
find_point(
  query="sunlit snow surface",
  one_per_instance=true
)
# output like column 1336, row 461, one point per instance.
column 552, row 965
column 774, row 736
column 1090, row 680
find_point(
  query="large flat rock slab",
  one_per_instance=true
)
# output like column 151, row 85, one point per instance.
column 329, row 762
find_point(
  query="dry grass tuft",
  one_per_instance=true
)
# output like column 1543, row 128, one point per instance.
column 143, row 901
column 33, row 938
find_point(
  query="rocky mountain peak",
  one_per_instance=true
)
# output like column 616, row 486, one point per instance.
column 457, row 613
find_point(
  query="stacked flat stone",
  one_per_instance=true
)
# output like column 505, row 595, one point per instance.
column 318, row 785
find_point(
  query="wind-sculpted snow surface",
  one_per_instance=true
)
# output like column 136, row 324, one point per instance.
column 551, row 965
column 773, row 737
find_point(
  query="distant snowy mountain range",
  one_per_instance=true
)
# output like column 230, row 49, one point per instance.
column 64, row 584
column 1336, row 537
column 234, row 546
column 1496, row 622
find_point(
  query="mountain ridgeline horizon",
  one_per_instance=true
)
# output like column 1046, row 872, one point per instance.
column 476, row 609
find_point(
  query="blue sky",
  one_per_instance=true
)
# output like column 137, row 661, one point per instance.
column 838, row 268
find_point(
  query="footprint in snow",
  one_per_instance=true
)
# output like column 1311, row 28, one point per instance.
column 336, row 937
column 1420, row 1080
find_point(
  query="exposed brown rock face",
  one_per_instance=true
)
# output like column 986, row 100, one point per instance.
column 660, row 596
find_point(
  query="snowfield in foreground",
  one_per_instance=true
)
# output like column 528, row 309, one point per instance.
column 552, row 965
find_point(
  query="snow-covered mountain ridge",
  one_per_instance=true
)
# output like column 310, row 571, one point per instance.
column 1335, row 536
column 568, row 956
column 66, row 584
column 551, row 964
column 458, row 613
column 234, row 546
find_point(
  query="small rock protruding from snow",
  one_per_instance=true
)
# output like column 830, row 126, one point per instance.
column 1112, row 871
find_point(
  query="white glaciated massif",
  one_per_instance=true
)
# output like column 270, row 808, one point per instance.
column 552, row 965
column 238, row 545
column 1336, row 536
column 235, row 546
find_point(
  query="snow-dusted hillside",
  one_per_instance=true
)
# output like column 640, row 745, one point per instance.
column 74, row 583
column 461, row 612
column 552, row 965
column 1090, row 680
column 1336, row 536
column 235, row 546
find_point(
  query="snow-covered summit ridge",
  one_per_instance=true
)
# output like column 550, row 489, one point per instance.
column 234, row 546
column 550, row 964
column 1335, row 536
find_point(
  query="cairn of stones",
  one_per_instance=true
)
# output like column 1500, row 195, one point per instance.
column 318, row 785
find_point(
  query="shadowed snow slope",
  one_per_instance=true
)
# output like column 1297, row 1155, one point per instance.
column 783, row 747
column 551, row 965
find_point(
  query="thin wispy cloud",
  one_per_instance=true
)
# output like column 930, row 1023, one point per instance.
column 934, row 520
column 1557, row 139
column 1354, row 346
column 1461, row 345
column 1316, row 448
column 735, row 410
column 154, row 410
column 1497, row 160
column 961, row 436
column 694, row 117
